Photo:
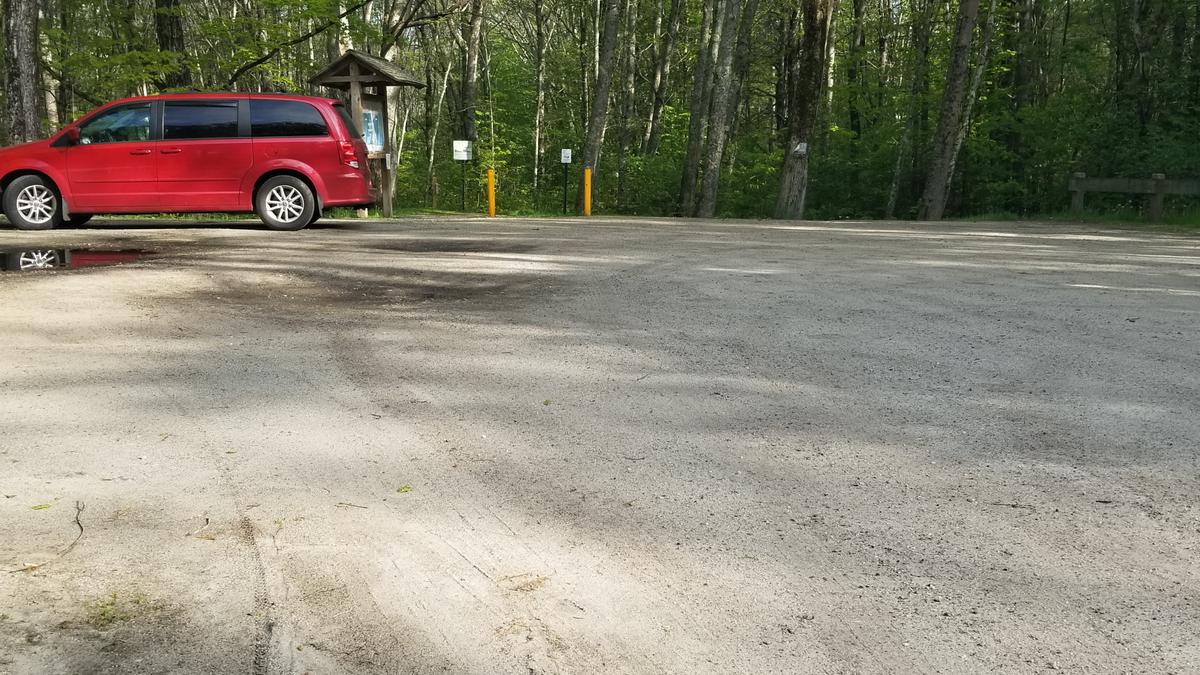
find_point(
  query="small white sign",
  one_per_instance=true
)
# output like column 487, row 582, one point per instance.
column 801, row 149
column 462, row 151
column 566, row 156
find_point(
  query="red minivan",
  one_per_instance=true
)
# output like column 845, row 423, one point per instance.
column 286, row 158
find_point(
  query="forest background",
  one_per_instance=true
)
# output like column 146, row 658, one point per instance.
column 748, row 108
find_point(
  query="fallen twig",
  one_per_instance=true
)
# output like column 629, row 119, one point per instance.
column 200, row 529
column 29, row 567
column 1013, row 505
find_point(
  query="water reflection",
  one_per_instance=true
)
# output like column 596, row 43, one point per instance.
column 33, row 259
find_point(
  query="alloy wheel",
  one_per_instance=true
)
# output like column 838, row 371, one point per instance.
column 37, row 204
column 285, row 203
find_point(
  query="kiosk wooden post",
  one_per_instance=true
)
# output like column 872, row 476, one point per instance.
column 366, row 79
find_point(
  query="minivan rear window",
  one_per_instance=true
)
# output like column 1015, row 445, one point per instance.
column 200, row 120
column 285, row 118
column 351, row 127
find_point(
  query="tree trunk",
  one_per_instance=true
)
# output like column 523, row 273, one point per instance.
column 972, row 92
column 854, row 79
column 539, row 66
column 810, row 79
column 470, row 75
column 920, row 32
column 724, row 109
column 700, row 104
column 599, row 113
column 585, row 73
column 783, row 71
column 937, row 182
column 23, row 83
column 741, row 72
column 433, row 118
column 63, row 93
column 629, row 95
column 662, row 72
column 168, row 27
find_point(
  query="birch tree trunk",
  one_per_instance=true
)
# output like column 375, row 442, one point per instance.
column 604, row 73
column 22, row 81
column 805, row 104
column 433, row 118
column 937, row 182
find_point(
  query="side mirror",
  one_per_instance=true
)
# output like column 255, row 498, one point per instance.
column 72, row 135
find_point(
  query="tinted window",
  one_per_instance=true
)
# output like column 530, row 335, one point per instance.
column 200, row 120
column 285, row 118
column 347, row 121
column 119, row 125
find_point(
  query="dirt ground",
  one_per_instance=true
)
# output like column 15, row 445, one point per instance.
column 603, row 446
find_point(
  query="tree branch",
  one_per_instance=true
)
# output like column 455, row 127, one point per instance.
column 57, row 74
column 250, row 65
column 422, row 21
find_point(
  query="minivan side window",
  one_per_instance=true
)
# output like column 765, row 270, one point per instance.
column 124, row 124
column 271, row 118
column 188, row 120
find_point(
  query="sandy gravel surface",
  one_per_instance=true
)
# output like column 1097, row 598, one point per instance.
column 613, row 446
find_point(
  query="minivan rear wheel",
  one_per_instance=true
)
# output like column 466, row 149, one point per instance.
column 32, row 203
column 285, row 203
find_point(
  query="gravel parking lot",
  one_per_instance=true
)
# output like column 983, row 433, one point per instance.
column 618, row 446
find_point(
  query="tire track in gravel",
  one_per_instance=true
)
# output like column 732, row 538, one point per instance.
column 262, row 599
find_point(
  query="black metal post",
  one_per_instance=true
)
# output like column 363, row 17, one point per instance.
column 566, row 168
column 463, row 199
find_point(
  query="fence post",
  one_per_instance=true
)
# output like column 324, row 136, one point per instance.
column 1159, row 196
column 1077, row 191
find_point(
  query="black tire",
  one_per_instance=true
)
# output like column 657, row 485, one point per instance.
column 285, row 194
column 78, row 219
column 25, row 188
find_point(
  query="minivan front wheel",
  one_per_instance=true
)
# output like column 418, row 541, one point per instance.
column 32, row 203
column 285, row 203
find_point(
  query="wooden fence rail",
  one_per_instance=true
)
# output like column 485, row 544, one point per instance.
column 1158, row 186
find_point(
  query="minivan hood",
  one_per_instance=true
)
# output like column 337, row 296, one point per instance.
column 24, row 146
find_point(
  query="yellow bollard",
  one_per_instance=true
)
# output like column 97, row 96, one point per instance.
column 587, row 190
column 492, row 193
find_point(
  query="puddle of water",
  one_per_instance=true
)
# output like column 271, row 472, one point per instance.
column 34, row 259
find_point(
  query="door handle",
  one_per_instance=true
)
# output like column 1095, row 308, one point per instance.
column 171, row 151
column 141, row 151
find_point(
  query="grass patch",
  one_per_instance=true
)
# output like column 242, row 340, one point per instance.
column 113, row 609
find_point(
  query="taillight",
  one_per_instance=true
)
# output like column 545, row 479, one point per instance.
column 349, row 155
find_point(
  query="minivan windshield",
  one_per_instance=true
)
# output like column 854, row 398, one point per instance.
column 351, row 127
